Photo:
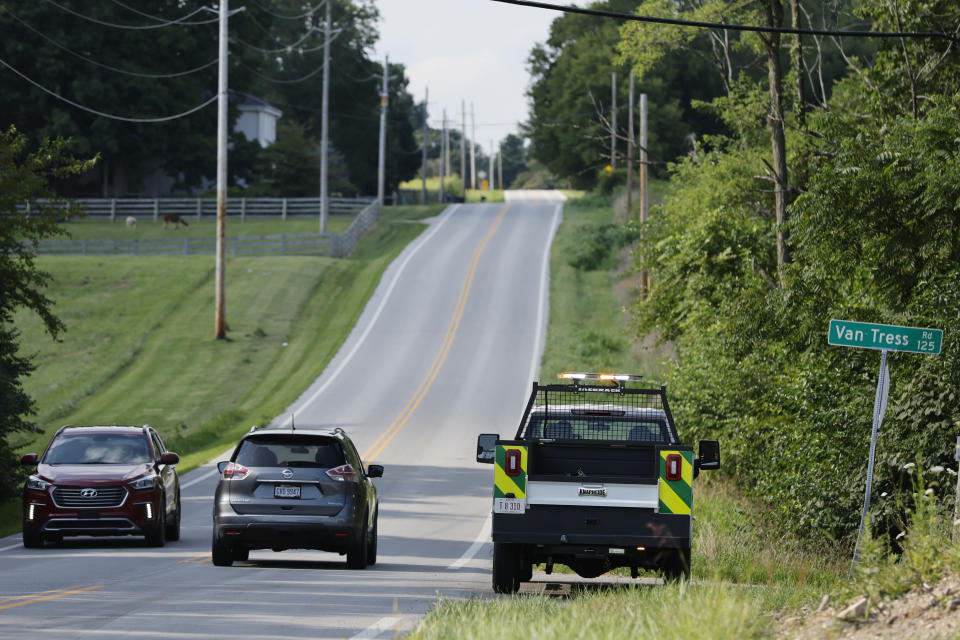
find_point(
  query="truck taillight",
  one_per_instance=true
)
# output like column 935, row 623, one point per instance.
column 674, row 466
column 342, row 473
column 511, row 463
column 234, row 471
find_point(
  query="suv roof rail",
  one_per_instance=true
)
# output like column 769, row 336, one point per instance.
column 253, row 428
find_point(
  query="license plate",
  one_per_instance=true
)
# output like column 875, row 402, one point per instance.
column 509, row 505
column 286, row 491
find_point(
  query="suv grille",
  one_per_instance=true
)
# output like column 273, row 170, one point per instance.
column 106, row 497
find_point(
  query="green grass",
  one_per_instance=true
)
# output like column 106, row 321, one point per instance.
column 589, row 327
column 147, row 229
column 139, row 346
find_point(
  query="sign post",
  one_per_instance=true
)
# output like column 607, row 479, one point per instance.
column 884, row 338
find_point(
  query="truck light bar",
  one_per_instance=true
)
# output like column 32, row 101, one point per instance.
column 613, row 377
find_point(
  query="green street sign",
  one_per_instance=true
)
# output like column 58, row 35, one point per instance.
column 866, row 335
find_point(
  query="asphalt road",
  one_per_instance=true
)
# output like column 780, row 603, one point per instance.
column 446, row 349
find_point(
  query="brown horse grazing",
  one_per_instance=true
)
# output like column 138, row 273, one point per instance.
column 175, row 219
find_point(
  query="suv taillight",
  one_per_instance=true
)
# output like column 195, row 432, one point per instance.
column 511, row 463
column 674, row 466
column 234, row 471
column 342, row 473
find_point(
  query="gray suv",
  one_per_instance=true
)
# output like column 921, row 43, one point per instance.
column 296, row 489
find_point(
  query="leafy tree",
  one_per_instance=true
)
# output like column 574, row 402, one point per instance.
column 514, row 158
column 24, row 177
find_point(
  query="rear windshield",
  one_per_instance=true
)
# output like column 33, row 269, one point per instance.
column 98, row 448
column 290, row 451
column 573, row 427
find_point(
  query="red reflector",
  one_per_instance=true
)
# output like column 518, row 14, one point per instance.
column 674, row 466
column 340, row 535
column 512, row 462
column 232, row 533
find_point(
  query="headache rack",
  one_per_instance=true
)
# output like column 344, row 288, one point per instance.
column 598, row 407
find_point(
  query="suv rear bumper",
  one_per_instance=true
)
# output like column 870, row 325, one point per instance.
column 265, row 534
column 597, row 526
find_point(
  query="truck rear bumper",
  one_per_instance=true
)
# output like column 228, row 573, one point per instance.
column 610, row 526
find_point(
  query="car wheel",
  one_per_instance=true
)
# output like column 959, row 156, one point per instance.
column 372, row 544
column 357, row 553
column 241, row 554
column 678, row 566
column 32, row 538
column 222, row 553
column 173, row 528
column 506, row 567
column 157, row 535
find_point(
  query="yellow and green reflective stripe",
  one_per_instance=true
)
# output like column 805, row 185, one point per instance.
column 504, row 484
column 677, row 496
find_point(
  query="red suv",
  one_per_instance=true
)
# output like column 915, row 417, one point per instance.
column 102, row 481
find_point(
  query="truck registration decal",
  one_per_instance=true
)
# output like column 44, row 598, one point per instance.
column 504, row 485
column 676, row 496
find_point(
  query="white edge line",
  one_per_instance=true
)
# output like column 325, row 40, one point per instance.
column 210, row 473
column 482, row 539
column 378, row 627
column 13, row 546
column 383, row 303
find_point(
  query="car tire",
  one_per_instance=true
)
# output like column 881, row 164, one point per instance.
column 677, row 566
column 357, row 553
column 506, row 567
column 32, row 538
column 156, row 536
column 222, row 553
column 173, row 528
column 240, row 554
column 372, row 544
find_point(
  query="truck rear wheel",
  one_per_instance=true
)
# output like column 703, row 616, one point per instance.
column 507, row 569
column 678, row 565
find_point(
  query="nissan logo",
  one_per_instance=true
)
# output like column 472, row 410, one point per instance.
column 88, row 493
column 287, row 474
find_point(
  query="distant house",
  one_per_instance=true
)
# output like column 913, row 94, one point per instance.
column 258, row 120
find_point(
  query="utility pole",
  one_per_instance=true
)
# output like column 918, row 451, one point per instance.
column 325, row 126
column 219, row 322
column 473, row 149
column 613, row 124
column 500, row 166
column 493, row 152
column 423, row 169
column 446, row 146
column 630, row 151
column 463, row 151
column 644, row 202
column 444, row 160
column 381, row 163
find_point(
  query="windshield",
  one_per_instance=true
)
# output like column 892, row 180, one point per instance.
column 98, row 448
column 651, row 428
column 290, row 451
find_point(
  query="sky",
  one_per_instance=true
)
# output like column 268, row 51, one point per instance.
column 472, row 50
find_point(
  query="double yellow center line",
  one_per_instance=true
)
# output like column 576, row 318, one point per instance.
column 377, row 447
column 19, row 601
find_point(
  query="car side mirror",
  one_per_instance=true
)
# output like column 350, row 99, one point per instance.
column 375, row 471
column 29, row 459
column 487, row 447
column 709, row 458
column 169, row 458
column 222, row 465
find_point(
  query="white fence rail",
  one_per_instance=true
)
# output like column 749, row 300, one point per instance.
column 336, row 245
column 114, row 208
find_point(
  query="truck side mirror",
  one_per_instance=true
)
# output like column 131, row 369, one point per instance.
column 487, row 447
column 709, row 458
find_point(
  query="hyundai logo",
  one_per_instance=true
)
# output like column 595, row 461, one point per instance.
column 88, row 493
column 287, row 474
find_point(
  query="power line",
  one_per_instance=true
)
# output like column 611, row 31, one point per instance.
column 284, row 49
column 106, row 66
column 101, row 113
column 178, row 21
column 269, row 79
column 147, row 15
column 734, row 27
column 285, row 17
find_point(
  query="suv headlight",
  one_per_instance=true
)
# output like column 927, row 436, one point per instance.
column 35, row 483
column 146, row 482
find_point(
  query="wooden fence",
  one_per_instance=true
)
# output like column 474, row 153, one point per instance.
column 336, row 245
column 114, row 208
